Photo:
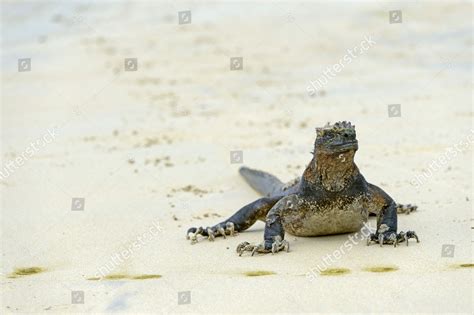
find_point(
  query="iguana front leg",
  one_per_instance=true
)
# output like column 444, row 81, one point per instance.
column 274, row 235
column 240, row 221
column 382, row 204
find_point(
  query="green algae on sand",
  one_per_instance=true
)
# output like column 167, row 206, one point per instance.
column 115, row 276
column 93, row 278
column 381, row 269
column 469, row 265
column 118, row 276
column 334, row 271
column 19, row 272
column 259, row 273
column 145, row 277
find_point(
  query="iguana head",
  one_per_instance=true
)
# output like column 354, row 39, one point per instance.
column 337, row 138
column 333, row 165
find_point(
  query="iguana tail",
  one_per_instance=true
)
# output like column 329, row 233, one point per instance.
column 262, row 182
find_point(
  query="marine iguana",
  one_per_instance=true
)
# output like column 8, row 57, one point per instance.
column 331, row 197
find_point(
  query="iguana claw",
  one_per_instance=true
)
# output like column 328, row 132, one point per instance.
column 391, row 238
column 280, row 244
column 402, row 236
column 193, row 233
column 211, row 232
column 407, row 209
column 277, row 245
column 230, row 227
column 210, row 235
column 221, row 231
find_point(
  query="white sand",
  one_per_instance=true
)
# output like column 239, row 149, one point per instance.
column 184, row 103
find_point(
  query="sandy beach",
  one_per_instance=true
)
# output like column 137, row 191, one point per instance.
column 120, row 121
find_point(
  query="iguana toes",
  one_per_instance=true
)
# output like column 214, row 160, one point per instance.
column 331, row 197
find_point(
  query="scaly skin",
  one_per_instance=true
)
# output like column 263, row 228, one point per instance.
column 331, row 197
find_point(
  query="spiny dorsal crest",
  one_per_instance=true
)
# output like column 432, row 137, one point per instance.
column 338, row 126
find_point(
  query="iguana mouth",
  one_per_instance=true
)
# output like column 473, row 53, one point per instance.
column 338, row 148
